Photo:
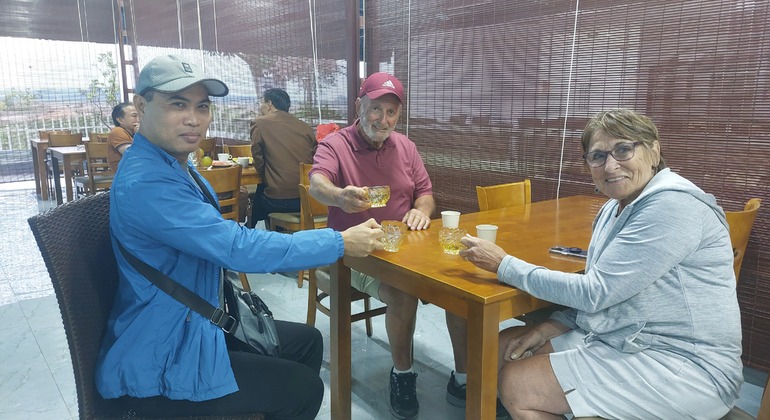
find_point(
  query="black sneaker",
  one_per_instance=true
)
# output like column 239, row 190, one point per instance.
column 403, row 395
column 455, row 395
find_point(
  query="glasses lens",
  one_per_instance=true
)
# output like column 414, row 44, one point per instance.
column 595, row 159
column 623, row 151
column 620, row 153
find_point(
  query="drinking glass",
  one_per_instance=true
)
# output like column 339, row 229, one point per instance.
column 449, row 238
column 395, row 232
column 379, row 195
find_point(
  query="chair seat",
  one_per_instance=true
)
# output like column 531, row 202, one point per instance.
column 734, row 414
column 323, row 284
column 295, row 218
column 285, row 217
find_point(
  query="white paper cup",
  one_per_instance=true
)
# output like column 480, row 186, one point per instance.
column 243, row 161
column 223, row 157
column 450, row 218
column 487, row 232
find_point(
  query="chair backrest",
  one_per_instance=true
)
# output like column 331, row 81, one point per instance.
column 227, row 184
column 44, row 133
column 74, row 240
column 208, row 145
column 238, row 150
column 60, row 140
column 741, row 223
column 99, row 173
column 97, row 137
column 504, row 195
column 304, row 173
column 311, row 211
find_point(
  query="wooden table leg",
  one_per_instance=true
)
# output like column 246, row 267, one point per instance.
column 340, row 341
column 68, row 176
column 483, row 327
column 56, row 179
column 41, row 172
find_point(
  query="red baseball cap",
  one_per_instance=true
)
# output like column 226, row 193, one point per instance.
column 378, row 84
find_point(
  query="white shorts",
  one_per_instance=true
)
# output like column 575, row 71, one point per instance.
column 598, row 380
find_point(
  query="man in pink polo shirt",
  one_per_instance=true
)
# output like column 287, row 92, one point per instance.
column 366, row 154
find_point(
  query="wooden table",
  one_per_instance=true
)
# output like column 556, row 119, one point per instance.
column 39, row 148
column 68, row 155
column 423, row 270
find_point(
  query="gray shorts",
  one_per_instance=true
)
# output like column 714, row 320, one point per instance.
column 361, row 282
column 598, row 380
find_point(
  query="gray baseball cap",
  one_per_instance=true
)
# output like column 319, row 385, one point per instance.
column 170, row 73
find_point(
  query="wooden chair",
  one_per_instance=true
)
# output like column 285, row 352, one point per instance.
column 97, row 137
column 74, row 240
column 504, row 195
column 43, row 134
column 64, row 139
column 98, row 176
column 292, row 221
column 227, row 185
column 741, row 223
column 238, row 150
column 208, row 145
column 319, row 279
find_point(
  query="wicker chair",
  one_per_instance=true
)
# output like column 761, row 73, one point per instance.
column 74, row 240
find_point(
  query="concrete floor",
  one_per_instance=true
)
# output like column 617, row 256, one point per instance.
column 36, row 379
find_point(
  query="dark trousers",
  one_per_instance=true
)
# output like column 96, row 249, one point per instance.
column 282, row 388
column 263, row 205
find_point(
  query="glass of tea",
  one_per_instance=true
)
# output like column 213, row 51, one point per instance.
column 395, row 232
column 449, row 238
column 379, row 195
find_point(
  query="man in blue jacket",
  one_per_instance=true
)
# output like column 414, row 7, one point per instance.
column 161, row 358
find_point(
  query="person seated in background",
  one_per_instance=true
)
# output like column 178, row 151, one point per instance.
column 121, row 137
column 158, row 356
column 653, row 327
column 279, row 143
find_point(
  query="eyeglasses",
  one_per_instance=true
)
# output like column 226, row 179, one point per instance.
column 621, row 152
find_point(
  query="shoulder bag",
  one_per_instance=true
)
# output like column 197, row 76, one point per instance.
column 245, row 316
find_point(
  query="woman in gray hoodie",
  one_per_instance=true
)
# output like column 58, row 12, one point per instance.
column 653, row 326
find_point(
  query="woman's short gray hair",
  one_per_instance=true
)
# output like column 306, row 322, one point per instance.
column 623, row 124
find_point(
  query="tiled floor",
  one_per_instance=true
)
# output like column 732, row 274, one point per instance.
column 36, row 379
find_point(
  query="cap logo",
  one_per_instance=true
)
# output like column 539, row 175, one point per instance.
column 388, row 84
column 187, row 68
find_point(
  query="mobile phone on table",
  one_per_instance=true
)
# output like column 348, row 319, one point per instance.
column 571, row 251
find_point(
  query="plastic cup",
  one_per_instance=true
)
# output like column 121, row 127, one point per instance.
column 487, row 232
column 450, row 218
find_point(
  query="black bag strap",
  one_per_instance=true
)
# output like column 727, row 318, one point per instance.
column 196, row 177
column 182, row 294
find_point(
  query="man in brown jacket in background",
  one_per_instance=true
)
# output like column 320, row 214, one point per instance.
column 279, row 143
